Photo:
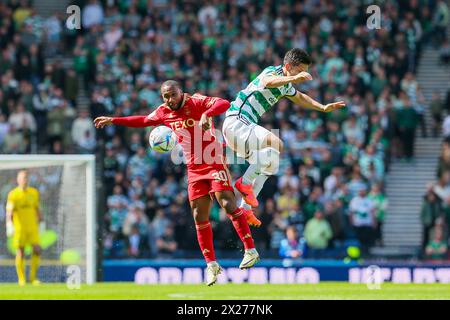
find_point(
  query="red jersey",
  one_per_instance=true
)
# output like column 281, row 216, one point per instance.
column 203, row 152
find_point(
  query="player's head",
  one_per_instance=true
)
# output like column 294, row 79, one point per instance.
column 172, row 94
column 295, row 61
column 22, row 178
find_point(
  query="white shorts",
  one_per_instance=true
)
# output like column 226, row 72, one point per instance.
column 242, row 135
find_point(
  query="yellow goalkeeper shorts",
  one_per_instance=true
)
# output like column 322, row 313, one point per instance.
column 28, row 236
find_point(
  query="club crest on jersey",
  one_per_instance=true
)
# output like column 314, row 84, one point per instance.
column 182, row 124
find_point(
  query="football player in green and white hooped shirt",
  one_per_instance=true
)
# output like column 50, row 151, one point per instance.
column 260, row 147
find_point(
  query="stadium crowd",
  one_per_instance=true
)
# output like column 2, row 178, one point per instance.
column 329, row 190
column 435, row 211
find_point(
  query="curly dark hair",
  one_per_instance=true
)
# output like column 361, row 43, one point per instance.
column 296, row 56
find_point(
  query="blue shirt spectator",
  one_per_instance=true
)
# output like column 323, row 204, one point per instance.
column 292, row 246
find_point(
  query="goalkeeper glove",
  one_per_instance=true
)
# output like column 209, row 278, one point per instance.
column 41, row 227
column 9, row 228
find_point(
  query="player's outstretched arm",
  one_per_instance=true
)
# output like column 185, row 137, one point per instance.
column 132, row 121
column 271, row 81
column 305, row 101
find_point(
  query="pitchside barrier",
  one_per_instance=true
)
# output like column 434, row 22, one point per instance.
column 276, row 271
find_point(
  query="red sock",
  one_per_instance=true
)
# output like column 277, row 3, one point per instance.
column 241, row 226
column 205, row 240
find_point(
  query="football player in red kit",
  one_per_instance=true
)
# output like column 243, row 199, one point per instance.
column 190, row 118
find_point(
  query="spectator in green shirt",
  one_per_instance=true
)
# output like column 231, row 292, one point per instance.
column 431, row 209
column 437, row 248
column 381, row 203
column 317, row 233
column 439, row 225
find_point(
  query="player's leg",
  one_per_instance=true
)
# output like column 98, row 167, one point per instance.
column 35, row 258
column 272, row 147
column 227, row 200
column 200, row 210
column 264, row 157
column 35, row 255
column 225, row 196
column 245, row 138
column 237, row 133
column 201, row 205
column 19, row 245
column 20, row 265
column 267, row 154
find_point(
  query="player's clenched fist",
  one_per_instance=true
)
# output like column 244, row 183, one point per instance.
column 205, row 122
column 100, row 122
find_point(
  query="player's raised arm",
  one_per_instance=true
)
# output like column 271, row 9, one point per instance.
column 273, row 81
column 305, row 101
column 132, row 121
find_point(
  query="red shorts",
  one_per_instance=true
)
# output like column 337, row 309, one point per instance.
column 214, row 181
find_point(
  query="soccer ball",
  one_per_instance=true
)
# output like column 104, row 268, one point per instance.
column 162, row 139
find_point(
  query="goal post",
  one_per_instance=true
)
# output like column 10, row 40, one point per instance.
column 68, row 203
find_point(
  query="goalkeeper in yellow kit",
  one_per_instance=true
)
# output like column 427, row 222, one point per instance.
column 22, row 222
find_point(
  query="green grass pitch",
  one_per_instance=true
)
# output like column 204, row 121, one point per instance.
column 324, row 290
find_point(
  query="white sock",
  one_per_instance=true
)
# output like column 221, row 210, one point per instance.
column 250, row 174
column 254, row 168
column 259, row 183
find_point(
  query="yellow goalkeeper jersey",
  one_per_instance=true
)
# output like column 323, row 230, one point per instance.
column 24, row 205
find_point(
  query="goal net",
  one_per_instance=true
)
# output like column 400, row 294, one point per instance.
column 66, row 184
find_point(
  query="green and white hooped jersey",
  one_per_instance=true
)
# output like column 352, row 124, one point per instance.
column 255, row 100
